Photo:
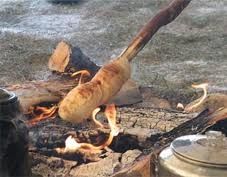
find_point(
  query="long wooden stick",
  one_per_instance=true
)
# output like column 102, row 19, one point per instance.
column 164, row 17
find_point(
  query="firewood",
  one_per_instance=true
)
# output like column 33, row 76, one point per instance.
column 36, row 92
column 68, row 59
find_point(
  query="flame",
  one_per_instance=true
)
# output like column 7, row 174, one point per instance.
column 111, row 115
column 94, row 113
column 71, row 145
column 204, row 87
column 82, row 73
column 44, row 113
column 200, row 101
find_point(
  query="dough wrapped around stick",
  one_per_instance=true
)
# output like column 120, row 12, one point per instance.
column 83, row 99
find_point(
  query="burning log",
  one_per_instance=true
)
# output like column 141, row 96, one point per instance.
column 215, row 103
column 71, row 145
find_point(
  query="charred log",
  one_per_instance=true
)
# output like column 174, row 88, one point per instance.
column 37, row 92
column 57, row 86
column 68, row 59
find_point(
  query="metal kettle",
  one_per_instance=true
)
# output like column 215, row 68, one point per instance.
column 195, row 156
column 14, row 158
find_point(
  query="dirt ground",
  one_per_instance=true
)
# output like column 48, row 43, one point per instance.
column 191, row 49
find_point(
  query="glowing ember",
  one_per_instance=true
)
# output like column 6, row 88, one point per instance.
column 44, row 113
column 71, row 145
column 82, row 73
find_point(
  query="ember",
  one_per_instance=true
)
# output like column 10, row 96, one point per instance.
column 41, row 113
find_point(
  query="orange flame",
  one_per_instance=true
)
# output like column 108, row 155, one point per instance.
column 111, row 115
column 46, row 113
column 94, row 113
column 71, row 145
column 82, row 74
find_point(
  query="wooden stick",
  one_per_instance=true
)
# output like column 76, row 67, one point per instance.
column 164, row 17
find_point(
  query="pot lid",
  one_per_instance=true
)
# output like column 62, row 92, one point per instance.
column 6, row 96
column 210, row 148
column 9, row 105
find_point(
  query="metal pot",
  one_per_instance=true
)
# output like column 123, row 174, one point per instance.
column 14, row 159
column 195, row 156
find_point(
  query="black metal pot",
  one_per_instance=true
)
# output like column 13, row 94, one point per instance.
column 14, row 158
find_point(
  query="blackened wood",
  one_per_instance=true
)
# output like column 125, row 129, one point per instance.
column 68, row 59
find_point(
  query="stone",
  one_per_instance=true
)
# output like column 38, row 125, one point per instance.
column 102, row 168
column 130, row 156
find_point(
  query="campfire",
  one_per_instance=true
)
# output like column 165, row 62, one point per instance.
column 79, row 125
